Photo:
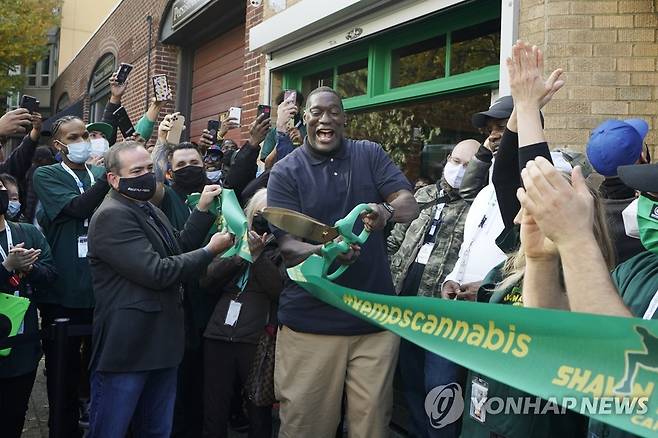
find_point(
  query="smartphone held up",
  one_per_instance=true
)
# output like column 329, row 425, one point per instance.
column 123, row 72
column 161, row 88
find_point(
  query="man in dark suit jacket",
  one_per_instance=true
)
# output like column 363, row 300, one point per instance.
column 138, row 262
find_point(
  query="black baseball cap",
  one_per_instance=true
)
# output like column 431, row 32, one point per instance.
column 642, row 177
column 500, row 109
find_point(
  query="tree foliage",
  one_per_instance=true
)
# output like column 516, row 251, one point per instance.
column 23, row 37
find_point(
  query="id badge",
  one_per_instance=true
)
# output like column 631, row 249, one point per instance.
column 82, row 247
column 233, row 313
column 424, row 253
column 479, row 390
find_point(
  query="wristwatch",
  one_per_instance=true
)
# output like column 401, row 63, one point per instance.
column 388, row 207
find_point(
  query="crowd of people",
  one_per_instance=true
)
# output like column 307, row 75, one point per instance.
column 122, row 236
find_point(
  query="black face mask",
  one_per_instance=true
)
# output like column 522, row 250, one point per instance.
column 260, row 225
column 190, row 178
column 140, row 188
column 4, row 201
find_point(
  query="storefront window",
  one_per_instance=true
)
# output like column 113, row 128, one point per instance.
column 418, row 136
column 315, row 80
column 475, row 47
column 99, row 89
column 352, row 78
column 418, row 62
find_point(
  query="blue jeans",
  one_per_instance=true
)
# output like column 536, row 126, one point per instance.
column 144, row 399
column 422, row 371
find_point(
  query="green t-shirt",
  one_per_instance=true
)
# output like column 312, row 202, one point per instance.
column 174, row 207
column 511, row 425
column 198, row 303
column 637, row 282
column 55, row 188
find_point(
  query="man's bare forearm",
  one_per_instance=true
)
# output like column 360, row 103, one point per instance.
column 589, row 286
column 295, row 251
column 405, row 205
column 541, row 285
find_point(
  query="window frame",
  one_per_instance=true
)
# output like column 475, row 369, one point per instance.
column 379, row 49
column 99, row 87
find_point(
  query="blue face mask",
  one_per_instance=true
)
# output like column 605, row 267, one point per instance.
column 13, row 209
column 79, row 152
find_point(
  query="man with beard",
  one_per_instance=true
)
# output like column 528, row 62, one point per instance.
column 422, row 253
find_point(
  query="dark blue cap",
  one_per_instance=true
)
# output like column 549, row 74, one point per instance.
column 616, row 143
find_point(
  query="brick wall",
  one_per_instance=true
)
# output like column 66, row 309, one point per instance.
column 125, row 34
column 608, row 50
column 254, row 68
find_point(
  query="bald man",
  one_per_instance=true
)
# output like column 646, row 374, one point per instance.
column 422, row 253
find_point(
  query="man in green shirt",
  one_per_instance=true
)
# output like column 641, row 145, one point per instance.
column 69, row 193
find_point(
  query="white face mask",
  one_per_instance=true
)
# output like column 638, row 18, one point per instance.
column 78, row 152
column 99, row 146
column 214, row 175
column 629, row 215
column 453, row 174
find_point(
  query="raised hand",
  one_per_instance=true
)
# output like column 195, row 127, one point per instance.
column 258, row 130
column 563, row 212
column 14, row 122
column 165, row 127
column 228, row 124
column 525, row 68
column 210, row 192
column 117, row 89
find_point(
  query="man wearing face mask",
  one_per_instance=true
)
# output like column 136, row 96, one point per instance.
column 69, row 193
column 99, row 133
column 188, row 175
column 422, row 253
column 138, row 261
column 212, row 161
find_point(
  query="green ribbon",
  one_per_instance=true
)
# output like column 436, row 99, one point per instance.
column 572, row 359
column 230, row 217
column 12, row 312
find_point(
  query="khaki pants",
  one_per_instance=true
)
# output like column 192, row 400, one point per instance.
column 311, row 371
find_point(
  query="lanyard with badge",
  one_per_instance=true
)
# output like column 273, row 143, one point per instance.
column 430, row 237
column 14, row 279
column 82, row 240
column 490, row 211
column 235, row 306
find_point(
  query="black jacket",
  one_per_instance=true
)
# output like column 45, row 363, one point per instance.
column 138, row 318
column 616, row 197
column 243, row 170
column 259, row 299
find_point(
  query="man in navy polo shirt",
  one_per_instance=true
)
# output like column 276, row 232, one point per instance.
column 321, row 351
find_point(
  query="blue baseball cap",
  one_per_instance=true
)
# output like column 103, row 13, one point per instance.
column 616, row 143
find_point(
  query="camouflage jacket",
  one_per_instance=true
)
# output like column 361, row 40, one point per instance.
column 405, row 240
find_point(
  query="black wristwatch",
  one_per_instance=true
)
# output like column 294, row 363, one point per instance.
column 388, row 207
